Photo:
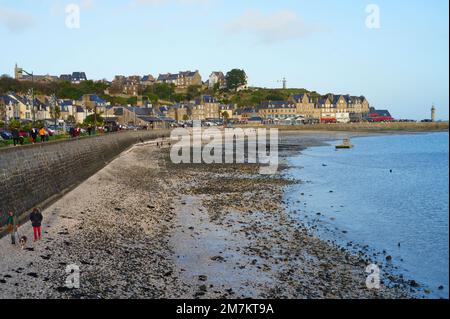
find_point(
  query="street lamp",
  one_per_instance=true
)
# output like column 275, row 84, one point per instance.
column 32, row 95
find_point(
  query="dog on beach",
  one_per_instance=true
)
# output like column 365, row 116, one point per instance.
column 23, row 241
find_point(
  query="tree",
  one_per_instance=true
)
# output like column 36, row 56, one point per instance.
column 91, row 120
column 225, row 116
column 163, row 90
column 193, row 91
column 71, row 119
column 55, row 113
column 14, row 124
column 236, row 78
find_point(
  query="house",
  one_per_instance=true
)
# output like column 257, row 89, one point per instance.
column 131, row 115
column 168, row 78
column 217, row 78
column 42, row 108
column 74, row 78
column 277, row 110
column 188, row 78
column 340, row 108
column 67, row 108
column 306, row 108
column 132, row 85
column 80, row 113
column 210, row 106
column 243, row 114
column 326, row 108
column 182, row 79
column 78, row 77
column 16, row 107
column 92, row 101
column 198, row 112
column 179, row 112
column 147, row 80
column 128, row 85
column 379, row 115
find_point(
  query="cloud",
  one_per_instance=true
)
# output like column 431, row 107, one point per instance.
column 275, row 27
column 15, row 21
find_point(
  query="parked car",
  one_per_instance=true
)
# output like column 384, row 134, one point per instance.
column 5, row 135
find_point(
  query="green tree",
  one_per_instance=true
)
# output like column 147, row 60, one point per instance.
column 236, row 78
column 193, row 91
column 71, row 119
column 91, row 120
column 225, row 116
column 163, row 90
column 14, row 124
column 55, row 113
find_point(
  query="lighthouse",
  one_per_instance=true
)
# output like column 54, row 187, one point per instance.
column 433, row 114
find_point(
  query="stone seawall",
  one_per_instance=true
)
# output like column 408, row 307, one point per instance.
column 38, row 174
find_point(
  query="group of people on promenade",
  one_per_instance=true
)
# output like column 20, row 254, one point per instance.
column 12, row 226
column 42, row 134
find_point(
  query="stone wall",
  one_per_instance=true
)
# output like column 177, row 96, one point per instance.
column 35, row 175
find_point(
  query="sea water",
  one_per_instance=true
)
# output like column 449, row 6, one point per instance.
column 389, row 193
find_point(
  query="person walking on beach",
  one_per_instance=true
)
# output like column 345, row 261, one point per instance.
column 42, row 134
column 15, row 136
column 36, row 221
column 11, row 224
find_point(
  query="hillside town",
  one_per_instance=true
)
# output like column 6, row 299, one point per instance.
column 133, row 103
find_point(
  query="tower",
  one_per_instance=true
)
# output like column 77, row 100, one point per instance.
column 433, row 113
column 18, row 73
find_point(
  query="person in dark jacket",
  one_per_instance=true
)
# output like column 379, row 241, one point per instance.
column 33, row 135
column 16, row 136
column 36, row 221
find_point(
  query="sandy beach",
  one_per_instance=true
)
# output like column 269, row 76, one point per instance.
column 143, row 227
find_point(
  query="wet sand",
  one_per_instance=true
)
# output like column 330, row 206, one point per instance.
column 145, row 228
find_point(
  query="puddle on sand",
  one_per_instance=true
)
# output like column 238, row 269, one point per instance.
column 210, row 253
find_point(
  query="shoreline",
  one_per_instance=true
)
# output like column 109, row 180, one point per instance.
column 143, row 227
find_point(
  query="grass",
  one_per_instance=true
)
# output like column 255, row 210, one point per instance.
column 51, row 138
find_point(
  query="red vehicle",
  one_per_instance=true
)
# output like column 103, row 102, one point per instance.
column 328, row 120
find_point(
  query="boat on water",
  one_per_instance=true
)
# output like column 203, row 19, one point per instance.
column 345, row 144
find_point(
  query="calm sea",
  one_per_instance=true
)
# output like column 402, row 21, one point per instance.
column 388, row 195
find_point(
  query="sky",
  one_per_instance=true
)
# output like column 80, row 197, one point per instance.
column 394, row 52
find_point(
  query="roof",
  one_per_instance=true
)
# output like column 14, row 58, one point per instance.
column 299, row 97
column 167, row 77
column 188, row 73
column 95, row 98
column 379, row 113
column 245, row 110
column 147, row 78
column 205, row 99
column 118, row 111
column 149, row 119
column 140, row 111
column 255, row 119
column 79, row 76
column 218, row 74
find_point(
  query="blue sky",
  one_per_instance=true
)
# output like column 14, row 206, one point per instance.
column 321, row 45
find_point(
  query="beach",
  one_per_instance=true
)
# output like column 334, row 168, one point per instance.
column 143, row 227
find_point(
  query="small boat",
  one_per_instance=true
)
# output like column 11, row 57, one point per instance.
column 346, row 144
